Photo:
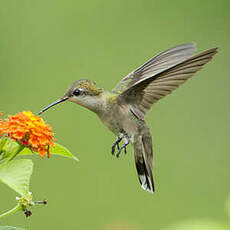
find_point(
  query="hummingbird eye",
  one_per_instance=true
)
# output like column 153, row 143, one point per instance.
column 76, row 92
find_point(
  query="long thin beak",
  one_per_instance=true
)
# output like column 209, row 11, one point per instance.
column 54, row 103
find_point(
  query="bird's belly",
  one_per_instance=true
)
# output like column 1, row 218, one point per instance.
column 113, row 125
column 120, row 122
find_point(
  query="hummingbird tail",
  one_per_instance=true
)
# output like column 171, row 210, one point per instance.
column 143, row 159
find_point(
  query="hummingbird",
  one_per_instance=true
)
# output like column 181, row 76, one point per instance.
column 122, row 110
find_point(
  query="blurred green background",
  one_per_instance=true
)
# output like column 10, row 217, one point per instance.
column 45, row 45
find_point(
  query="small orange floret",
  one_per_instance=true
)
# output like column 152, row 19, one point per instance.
column 1, row 124
column 29, row 130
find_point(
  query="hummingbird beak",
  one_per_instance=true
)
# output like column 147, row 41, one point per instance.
column 54, row 103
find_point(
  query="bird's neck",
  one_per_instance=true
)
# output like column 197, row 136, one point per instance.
column 98, row 104
column 103, row 103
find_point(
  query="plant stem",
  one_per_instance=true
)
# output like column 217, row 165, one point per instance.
column 13, row 210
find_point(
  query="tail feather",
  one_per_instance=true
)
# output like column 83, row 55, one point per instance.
column 146, row 179
column 143, row 159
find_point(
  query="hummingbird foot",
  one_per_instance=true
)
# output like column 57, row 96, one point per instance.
column 123, row 136
column 116, row 144
column 122, row 147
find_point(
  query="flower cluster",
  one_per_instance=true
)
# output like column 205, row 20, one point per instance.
column 29, row 130
column 1, row 124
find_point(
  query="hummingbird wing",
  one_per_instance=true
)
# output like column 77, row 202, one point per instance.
column 141, row 94
column 157, row 64
column 143, row 155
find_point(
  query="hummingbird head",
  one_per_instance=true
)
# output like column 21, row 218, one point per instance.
column 83, row 92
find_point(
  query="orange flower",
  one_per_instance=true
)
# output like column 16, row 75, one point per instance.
column 29, row 130
column 1, row 123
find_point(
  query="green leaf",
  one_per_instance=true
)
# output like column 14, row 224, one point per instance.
column 62, row 151
column 10, row 228
column 3, row 141
column 16, row 174
column 10, row 148
column 57, row 150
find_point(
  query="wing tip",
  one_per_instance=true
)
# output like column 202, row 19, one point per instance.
column 214, row 51
column 209, row 54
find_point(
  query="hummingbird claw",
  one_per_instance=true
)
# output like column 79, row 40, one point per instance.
column 122, row 147
column 116, row 144
column 113, row 149
column 123, row 136
column 119, row 152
